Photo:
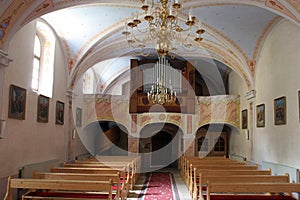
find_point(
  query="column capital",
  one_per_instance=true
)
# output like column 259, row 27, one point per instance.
column 4, row 59
column 71, row 94
column 251, row 95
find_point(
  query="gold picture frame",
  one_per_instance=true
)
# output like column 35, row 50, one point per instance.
column 78, row 117
column 17, row 102
column 244, row 119
column 43, row 109
column 280, row 111
column 260, row 115
column 59, row 113
column 299, row 104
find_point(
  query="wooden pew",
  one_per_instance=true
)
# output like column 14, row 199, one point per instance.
column 119, row 187
column 114, row 165
column 223, row 171
column 88, row 170
column 195, row 163
column 60, row 189
column 249, row 188
column 133, row 161
column 186, row 159
column 124, row 174
column 191, row 160
column 190, row 176
column 136, row 159
column 198, row 192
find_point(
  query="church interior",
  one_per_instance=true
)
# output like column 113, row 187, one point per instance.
column 184, row 87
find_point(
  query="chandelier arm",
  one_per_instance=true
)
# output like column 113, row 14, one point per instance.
column 141, row 31
column 162, row 27
column 136, row 39
column 142, row 53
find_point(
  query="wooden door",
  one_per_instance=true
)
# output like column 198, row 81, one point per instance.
column 211, row 144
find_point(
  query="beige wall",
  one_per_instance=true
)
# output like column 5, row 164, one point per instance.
column 277, row 75
column 28, row 141
column 239, row 144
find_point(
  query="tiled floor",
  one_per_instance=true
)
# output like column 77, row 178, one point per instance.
column 181, row 187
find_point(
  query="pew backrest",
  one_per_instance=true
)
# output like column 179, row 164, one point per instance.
column 251, row 188
column 121, row 188
column 65, row 185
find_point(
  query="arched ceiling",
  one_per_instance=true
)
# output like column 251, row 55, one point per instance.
column 91, row 31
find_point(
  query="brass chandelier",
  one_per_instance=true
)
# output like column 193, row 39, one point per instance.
column 162, row 92
column 161, row 27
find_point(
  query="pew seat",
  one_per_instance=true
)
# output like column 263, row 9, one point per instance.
column 198, row 189
column 60, row 189
column 119, row 186
column 234, row 190
column 65, row 195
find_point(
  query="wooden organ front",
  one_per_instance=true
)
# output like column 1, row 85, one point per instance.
column 144, row 74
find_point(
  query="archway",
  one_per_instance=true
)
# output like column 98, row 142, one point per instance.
column 160, row 146
column 105, row 138
column 159, row 141
column 213, row 140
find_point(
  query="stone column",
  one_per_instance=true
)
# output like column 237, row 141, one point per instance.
column 189, row 145
column 4, row 62
column 251, row 96
column 70, row 128
column 133, row 145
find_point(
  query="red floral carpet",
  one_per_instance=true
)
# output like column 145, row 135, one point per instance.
column 160, row 187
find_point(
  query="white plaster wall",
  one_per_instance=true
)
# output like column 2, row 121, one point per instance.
column 239, row 144
column 277, row 75
column 28, row 141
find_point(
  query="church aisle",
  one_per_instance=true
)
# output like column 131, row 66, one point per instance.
column 180, row 191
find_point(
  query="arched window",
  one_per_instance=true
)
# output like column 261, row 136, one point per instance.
column 202, row 144
column 220, row 144
column 36, row 64
column 88, row 82
column 43, row 61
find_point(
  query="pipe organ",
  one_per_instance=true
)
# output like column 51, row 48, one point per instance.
column 176, row 75
column 163, row 73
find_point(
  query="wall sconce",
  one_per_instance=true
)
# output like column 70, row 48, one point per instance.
column 2, row 128
column 247, row 134
column 74, row 133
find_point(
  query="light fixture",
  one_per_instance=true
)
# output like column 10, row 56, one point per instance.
column 161, row 27
column 160, row 93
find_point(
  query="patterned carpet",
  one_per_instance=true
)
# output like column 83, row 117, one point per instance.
column 160, row 186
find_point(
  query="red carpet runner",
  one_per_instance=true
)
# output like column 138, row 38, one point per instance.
column 160, row 187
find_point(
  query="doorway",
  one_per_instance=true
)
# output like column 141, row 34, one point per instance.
column 160, row 145
column 161, row 150
column 212, row 140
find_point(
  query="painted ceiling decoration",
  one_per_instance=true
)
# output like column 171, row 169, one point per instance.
column 91, row 31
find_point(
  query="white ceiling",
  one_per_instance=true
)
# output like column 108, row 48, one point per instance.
column 92, row 32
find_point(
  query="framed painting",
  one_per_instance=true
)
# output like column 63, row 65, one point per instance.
column 299, row 104
column 59, row 113
column 17, row 102
column 43, row 109
column 78, row 117
column 260, row 115
column 280, row 110
column 244, row 119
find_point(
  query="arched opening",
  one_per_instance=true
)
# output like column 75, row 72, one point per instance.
column 212, row 140
column 106, row 138
column 159, row 141
column 160, row 146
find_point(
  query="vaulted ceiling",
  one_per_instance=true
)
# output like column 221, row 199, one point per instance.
column 91, row 31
